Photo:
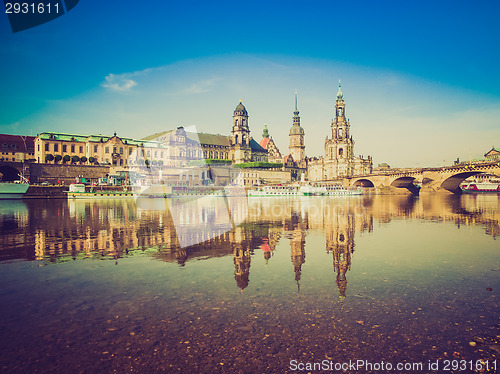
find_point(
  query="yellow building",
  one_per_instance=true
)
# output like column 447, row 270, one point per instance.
column 96, row 149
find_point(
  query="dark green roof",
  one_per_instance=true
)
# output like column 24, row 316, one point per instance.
column 96, row 139
column 256, row 146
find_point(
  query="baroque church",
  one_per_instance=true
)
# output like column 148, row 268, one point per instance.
column 339, row 160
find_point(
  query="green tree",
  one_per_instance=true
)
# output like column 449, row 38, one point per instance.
column 92, row 160
column 75, row 159
column 146, row 162
column 160, row 163
column 58, row 158
column 154, row 163
column 83, row 159
column 66, row 158
column 49, row 157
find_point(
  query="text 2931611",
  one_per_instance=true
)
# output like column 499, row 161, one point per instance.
column 31, row 8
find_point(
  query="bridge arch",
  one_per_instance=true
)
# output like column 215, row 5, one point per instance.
column 452, row 183
column 363, row 182
column 403, row 182
column 9, row 173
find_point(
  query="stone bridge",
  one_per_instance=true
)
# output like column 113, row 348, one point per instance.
column 435, row 179
column 10, row 170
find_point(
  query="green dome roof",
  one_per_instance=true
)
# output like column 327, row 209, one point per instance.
column 240, row 109
column 296, row 130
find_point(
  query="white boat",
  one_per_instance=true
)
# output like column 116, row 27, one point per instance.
column 13, row 190
column 480, row 187
column 302, row 190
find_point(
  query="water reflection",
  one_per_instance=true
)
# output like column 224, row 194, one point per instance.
column 55, row 231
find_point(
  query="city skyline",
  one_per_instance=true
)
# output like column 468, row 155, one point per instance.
column 420, row 82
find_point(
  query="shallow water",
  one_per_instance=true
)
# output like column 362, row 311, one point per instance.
column 104, row 285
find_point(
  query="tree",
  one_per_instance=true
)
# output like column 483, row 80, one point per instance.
column 58, row 158
column 92, row 160
column 75, row 159
column 160, row 163
column 146, row 162
column 154, row 162
column 83, row 159
column 49, row 157
column 66, row 158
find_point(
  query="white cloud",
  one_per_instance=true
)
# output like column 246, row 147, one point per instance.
column 200, row 86
column 119, row 83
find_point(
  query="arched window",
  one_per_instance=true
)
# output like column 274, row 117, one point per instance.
column 236, row 139
column 216, row 155
column 210, row 155
column 340, row 133
column 341, row 152
column 236, row 122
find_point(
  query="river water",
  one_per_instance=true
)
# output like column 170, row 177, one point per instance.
column 264, row 285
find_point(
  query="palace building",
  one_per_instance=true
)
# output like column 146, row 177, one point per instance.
column 339, row 160
column 95, row 149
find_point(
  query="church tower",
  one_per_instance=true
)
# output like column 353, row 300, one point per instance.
column 297, row 147
column 240, row 135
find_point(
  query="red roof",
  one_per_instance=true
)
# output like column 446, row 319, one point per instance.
column 16, row 143
column 264, row 142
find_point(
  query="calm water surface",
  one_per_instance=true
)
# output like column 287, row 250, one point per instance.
column 103, row 286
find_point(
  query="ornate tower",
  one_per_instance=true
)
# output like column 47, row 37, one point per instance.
column 240, row 135
column 340, row 148
column 297, row 147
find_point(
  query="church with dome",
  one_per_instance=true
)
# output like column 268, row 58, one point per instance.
column 339, row 160
column 241, row 148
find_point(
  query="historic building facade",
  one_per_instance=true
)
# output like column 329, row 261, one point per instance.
column 96, row 149
column 339, row 160
column 267, row 142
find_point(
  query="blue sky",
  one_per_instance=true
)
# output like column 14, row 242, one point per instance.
column 421, row 79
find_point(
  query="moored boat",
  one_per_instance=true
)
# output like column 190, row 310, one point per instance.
column 303, row 190
column 13, row 190
column 77, row 191
column 480, row 187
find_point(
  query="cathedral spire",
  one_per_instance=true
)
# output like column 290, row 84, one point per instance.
column 265, row 133
column 340, row 95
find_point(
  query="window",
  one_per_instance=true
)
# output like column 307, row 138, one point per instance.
column 72, row 148
column 210, row 154
column 46, row 146
column 161, row 154
column 216, row 155
column 56, row 147
column 64, row 148
column 129, row 151
column 156, row 154
column 95, row 149
column 114, row 149
column 121, row 150
column 106, row 150
column 341, row 152
column 148, row 154
column 81, row 149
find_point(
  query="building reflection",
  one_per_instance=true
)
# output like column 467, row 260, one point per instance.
column 55, row 231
